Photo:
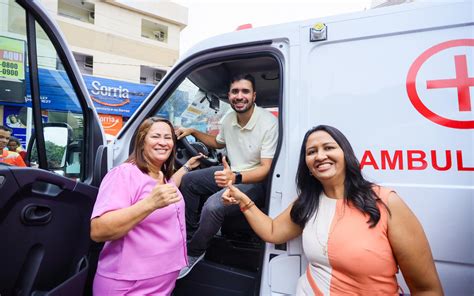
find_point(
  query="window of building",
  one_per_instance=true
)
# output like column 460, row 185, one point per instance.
column 85, row 63
column 149, row 75
column 154, row 31
column 81, row 10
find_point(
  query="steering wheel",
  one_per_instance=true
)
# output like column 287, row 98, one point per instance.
column 198, row 147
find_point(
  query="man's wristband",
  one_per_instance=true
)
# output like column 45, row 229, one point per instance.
column 238, row 177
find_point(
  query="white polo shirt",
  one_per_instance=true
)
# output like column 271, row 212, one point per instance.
column 247, row 145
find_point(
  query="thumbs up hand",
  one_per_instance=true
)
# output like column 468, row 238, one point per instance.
column 227, row 198
column 225, row 163
column 223, row 177
column 163, row 194
column 233, row 196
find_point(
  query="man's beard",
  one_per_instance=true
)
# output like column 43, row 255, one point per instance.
column 247, row 108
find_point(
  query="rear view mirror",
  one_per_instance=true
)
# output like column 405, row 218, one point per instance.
column 214, row 103
column 212, row 99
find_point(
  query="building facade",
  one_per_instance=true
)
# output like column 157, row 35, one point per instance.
column 122, row 48
column 134, row 41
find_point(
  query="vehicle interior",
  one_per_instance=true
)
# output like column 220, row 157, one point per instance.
column 215, row 78
column 233, row 261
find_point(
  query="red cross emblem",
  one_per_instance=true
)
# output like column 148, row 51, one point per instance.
column 460, row 84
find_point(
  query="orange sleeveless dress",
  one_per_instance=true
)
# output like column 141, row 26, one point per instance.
column 346, row 256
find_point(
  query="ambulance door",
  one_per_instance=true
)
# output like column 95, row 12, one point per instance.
column 397, row 82
column 47, row 183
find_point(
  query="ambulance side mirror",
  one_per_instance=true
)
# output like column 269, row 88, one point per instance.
column 57, row 137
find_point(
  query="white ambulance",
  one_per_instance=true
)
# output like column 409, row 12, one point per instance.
column 397, row 81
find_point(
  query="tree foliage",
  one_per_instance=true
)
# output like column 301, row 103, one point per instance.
column 54, row 154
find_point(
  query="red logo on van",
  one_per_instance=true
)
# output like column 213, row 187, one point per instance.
column 459, row 84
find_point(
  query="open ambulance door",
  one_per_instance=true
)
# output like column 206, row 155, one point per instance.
column 45, row 207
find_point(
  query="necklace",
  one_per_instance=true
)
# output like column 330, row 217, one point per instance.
column 324, row 246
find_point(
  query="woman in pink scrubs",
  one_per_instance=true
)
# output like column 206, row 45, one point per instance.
column 139, row 214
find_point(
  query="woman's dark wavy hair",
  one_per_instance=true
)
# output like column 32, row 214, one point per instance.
column 358, row 191
column 137, row 156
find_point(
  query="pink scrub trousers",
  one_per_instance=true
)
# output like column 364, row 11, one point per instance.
column 161, row 285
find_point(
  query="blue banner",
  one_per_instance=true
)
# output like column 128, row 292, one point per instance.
column 108, row 95
column 116, row 97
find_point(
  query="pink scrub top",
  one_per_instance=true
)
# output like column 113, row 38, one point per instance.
column 155, row 246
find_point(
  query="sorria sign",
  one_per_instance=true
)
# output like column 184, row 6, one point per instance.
column 110, row 95
column 425, row 91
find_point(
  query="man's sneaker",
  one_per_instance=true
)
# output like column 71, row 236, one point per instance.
column 192, row 261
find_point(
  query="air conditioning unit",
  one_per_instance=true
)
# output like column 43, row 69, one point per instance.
column 88, row 62
column 158, row 76
column 159, row 35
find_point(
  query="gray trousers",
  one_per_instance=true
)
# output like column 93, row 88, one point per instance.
column 199, row 186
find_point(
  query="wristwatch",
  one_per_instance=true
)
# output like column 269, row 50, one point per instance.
column 238, row 177
column 187, row 167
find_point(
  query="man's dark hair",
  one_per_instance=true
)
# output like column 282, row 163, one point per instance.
column 244, row 76
column 7, row 129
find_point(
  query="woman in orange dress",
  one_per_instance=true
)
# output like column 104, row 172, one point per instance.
column 355, row 234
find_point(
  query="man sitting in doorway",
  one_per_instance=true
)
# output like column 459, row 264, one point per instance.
column 6, row 156
column 250, row 135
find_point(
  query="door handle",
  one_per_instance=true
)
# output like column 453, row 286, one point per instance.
column 36, row 215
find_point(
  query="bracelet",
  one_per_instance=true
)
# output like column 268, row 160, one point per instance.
column 247, row 206
column 186, row 168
